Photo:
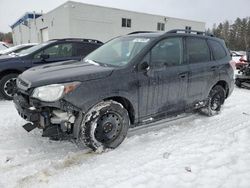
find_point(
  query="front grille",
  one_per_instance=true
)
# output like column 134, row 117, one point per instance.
column 24, row 85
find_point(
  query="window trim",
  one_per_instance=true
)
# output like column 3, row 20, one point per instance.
column 161, row 26
column 186, row 50
column 183, row 62
column 48, row 46
column 126, row 22
column 189, row 28
column 212, row 52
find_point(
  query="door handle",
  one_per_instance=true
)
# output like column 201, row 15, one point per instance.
column 214, row 68
column 183, row 75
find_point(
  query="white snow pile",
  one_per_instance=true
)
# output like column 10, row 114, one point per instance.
column 195, row 151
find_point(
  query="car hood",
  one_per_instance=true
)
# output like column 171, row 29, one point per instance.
column 64, row 72
column 4, row 58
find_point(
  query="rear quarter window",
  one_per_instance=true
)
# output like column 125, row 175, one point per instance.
column 197, row 50
column 217, row 50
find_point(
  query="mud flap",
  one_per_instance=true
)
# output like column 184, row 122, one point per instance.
column 77, row 125
column 52, row 131
column 29, row 127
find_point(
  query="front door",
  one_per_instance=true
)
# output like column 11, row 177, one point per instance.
column 55, row 53
column 163, row 87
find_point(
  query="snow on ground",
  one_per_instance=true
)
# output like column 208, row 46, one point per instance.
column 195, row 151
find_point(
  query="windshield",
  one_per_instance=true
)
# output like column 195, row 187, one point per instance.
column 119, row 51
column 33, row 49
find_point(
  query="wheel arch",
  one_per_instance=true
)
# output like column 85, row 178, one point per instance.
column 223, row 84
column 9, row 71
column 127, row 104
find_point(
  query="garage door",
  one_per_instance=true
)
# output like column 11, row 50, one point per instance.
column 45, row 34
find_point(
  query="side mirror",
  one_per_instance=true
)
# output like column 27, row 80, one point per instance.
column 44, row 56
column 144, row 66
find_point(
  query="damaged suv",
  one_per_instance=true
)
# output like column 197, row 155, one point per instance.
column 129, row 81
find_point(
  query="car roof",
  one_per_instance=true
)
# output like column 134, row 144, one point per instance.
column 77, row 40
column 175, row 32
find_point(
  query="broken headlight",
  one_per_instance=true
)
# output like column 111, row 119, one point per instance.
column 54, row 92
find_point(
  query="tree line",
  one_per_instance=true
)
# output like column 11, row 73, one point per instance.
column 6, row 37
column 236, row 34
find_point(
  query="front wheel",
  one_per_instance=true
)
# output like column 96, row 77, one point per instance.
column 8, row 86
column 104, row 126
column 216, row 99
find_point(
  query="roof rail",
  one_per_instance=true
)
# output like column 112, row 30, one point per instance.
column 137, row 32
column 79, row 39
column 190, row 32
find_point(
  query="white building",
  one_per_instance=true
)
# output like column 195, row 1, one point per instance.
column 79, row 20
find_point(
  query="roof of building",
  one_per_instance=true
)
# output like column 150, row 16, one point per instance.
column 27, row 15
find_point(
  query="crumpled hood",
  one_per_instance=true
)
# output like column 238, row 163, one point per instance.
column 63, row 72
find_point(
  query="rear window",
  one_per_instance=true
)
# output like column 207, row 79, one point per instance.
column 197, row 50
column 217, row 49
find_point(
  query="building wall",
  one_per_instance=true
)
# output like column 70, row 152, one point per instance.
column 57, row 22
column 78, row 20
column 89, row 21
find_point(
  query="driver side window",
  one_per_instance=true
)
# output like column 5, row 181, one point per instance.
column 56, row 51
column 167, row 52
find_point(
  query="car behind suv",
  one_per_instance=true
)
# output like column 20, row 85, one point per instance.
column 16, row 49
column 129, row 81
column 48, row 52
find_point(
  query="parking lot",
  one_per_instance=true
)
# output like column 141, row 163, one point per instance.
column 193, row 151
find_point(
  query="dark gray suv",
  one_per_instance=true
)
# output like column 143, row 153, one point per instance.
column 133, row 79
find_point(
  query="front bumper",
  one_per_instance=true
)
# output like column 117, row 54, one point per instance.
column 24, row 109
column 42, row 115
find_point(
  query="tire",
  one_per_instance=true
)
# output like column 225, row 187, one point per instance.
column 238, row 83
column 105, row 126
column 215, row 101
column 8, row 86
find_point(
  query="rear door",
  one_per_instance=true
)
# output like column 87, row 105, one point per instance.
column 202, row 67
column 163, row 88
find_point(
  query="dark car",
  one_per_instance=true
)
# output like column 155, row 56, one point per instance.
column 129, row 81
column 41, row 54
column 16, row 49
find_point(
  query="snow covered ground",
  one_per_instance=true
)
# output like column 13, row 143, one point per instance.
column 195, row 151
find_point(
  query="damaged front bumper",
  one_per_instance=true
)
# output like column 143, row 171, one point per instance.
column 57, row 119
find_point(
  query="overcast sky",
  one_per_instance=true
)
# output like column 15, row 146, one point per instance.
column 209, row 11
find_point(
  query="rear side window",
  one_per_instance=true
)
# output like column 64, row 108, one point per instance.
column 217, row 49
column 197, row 50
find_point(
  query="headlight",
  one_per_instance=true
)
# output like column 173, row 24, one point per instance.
column 54, row 92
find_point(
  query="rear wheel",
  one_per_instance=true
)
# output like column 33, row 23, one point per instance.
column 104, row 126
column 216, row 99
column 8, row 86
